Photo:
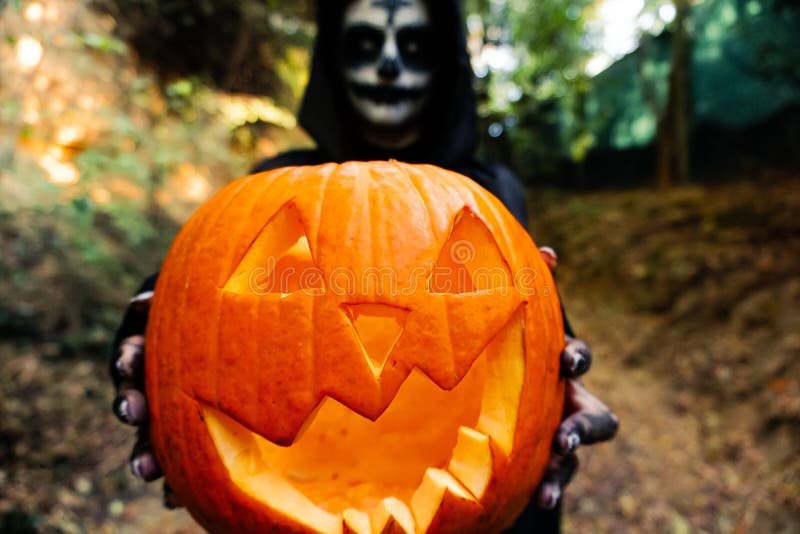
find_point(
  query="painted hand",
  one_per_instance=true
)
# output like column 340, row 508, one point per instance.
column 586, row 419
column 130, row 403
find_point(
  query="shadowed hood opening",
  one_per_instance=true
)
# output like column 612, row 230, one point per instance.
column 449, row 122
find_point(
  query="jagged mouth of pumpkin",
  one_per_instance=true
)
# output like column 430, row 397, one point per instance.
column 344, row 471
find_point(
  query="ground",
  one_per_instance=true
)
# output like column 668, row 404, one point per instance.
column 690, row 299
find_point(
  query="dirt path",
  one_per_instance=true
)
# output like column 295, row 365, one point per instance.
column 670, row 469
column 653, row 477
column 691, row 302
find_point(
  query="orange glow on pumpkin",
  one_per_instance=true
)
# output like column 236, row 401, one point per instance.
column 371, row 396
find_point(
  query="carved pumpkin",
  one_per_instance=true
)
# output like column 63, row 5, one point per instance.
column 366, row 347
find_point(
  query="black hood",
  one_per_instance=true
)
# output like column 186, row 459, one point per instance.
column 449, row 129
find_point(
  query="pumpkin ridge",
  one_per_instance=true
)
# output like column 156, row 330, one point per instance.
column 416, row 189
column 170, row 280
column 415, row 182
column 324, row 173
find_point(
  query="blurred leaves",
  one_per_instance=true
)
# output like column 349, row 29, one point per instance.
column 102, row 43
column 548, row 117
column 544, row 96
column 103, row 160
column 238, row 46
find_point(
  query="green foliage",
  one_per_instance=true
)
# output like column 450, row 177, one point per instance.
column 234, row 46
column 548, row 115
column 627, row 98
column 551, row 32
column 744, row 62
column 102, row 43
column 757, row 44
column 102, row 160
column 9, row 3
column 543, row 122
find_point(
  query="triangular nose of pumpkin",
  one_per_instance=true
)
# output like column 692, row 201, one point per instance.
column 378, row 327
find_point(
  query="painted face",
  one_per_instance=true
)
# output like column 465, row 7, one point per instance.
column 387, row 59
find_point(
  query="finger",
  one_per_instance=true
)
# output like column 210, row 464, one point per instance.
column 130, row 363
column 585, row 429
column 559, row 472
column 589, row 421
column 143, row 462
column 145, row 466
column 133, row 326
column 130, row 407
column 550, row 257
column 576, row 358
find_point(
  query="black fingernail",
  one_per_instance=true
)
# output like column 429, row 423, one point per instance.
column 136, row 467
column 580, row 366
column 145, row 467
column 553, row 501
column 573, row 440
column 122, row 409
column 122, row 369
column 550, row 498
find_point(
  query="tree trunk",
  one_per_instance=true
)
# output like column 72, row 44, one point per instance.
column 673, row 165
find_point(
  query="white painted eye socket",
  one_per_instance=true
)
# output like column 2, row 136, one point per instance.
column 386, row 87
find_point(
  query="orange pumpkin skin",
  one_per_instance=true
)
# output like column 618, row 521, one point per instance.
column 252, row 373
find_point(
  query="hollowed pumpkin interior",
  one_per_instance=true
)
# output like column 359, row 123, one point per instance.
column 344, row 467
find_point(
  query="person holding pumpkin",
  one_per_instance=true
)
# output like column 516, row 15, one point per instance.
column 391, row 79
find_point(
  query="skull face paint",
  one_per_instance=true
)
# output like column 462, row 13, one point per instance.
column 387, row 59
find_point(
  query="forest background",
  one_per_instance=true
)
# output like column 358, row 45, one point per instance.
column 658, row 141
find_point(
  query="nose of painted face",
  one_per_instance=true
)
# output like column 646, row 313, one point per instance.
column 386, row 60
column 389, row 68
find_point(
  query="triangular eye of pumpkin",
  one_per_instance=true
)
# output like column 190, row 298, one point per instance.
column 279, row 260
column 470, row 259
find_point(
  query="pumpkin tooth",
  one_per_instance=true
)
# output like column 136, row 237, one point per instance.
column 392, row 516
column 440, row 500
column 356, row 522
column 471, row 462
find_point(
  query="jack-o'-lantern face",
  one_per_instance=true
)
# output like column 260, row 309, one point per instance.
column 354, row 348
